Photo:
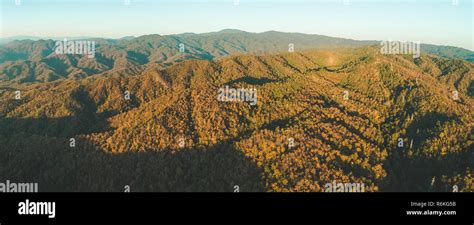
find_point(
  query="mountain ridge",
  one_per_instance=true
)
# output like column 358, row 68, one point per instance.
column 174, row 132
column 115, row 54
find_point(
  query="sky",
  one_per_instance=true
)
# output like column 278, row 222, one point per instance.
column 441, row 22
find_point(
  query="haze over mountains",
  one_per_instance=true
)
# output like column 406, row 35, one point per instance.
column 28, row 61
column 390, row 122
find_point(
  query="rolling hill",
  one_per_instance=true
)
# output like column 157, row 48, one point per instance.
column 346, row 114
column 33, row 61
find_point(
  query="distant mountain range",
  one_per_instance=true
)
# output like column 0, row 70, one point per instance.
column 35, row 38
column 29, row 61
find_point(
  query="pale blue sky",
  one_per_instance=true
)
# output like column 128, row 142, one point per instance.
column 428, row 21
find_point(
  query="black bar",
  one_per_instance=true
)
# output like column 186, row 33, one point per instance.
column 238, row 208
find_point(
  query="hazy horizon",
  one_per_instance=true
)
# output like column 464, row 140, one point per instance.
column 111, row 38
column 438, row 22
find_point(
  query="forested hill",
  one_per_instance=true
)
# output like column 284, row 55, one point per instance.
column 28, row 61
column 391, row 122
